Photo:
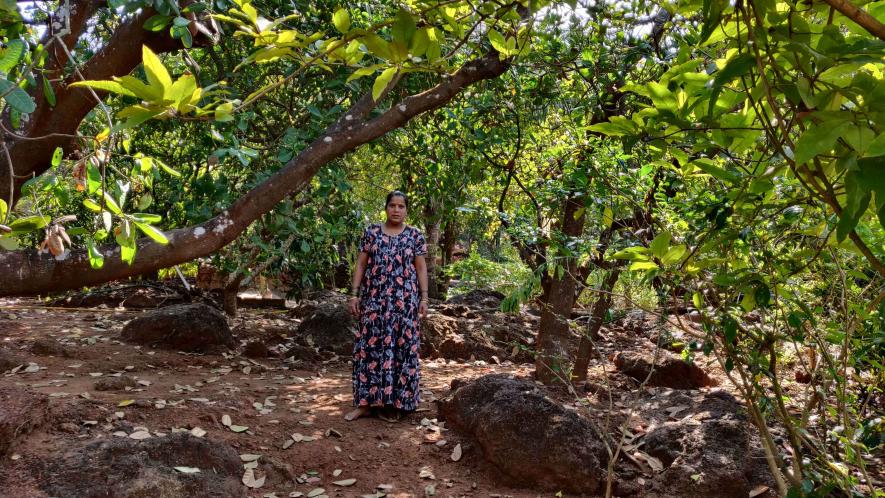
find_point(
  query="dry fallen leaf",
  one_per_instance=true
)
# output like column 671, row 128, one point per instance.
column 139, row 435
column 198, row 432
column 345, row 482
column 315, row 492
column 250, row 481
column 456, row 453
column 187, row 470
column 287, row 443
column 336, row 472
column 249, row 457
column 125, row 402
column 225, row 420
column 238, row 428
column 426, row 473
column 758, row 490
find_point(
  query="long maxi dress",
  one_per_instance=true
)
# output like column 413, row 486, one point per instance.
column 387, row 343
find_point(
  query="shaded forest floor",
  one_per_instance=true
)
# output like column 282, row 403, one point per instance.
column 79, row 383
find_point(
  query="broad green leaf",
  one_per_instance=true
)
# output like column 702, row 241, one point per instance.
column 403, row 28
column 182, row 91
column 152, row 232
column 363, row 71
column 698, row 300
column 96, row 259
column 17, row 98
column 156, row 22
column 674, row 254
column 3, row 209
column 818, row 139
column 877, row 147
column 223, row 112
column 420, row 42
column 140, row 89
column 643, row 265
column 57, row 156
column 156, row 72
column 166, row 168
column 659, row 245
column 377, row 46
column 106, row 86
column 9, row 243
column 341, row 20
column 12, row 55
column 708, row 166
column 607, row 217
column 498, row 42
column 111, row 204
column 91, row 205
column 29, row 223
column 48, row 92
column 631, row 253
column 382, row 81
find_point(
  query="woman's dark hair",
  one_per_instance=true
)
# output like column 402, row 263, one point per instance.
column 396, row 193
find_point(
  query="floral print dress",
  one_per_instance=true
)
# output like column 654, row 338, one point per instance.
column 385, row 351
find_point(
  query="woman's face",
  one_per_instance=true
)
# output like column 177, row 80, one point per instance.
column 396, row 209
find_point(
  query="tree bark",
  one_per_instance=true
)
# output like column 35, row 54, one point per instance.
column 29, row 272
column 432, row 229
column 597, row 314
column 552, row 359
column 229, row 296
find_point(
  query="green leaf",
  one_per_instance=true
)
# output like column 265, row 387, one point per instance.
column 877, row 147
column 305, row 247
column 698, row 300
column 156, row 72
column 632, row 253
column 674, row 254
column 147, row 217
column 91, row 205
column 106, row 86
column 817, row 140
column 341, row 20
column 17, row 98
column 166, row 168
column 223, row 112
column 403, row 28
column 9, row 243
column 96, row 259
column 57, row 156
column 156, row 23
column 152, row 232
column 643, row 265
column 29, row 224
column 658, row 246
column 15, row 50
column 48, row 92
column 382, row 81
column 111, row 204
column 708, row 166
column 729, row 329
column 379, row 47
column 498, row 42
column 3, row 209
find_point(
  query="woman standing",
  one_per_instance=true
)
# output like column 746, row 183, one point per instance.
column 389, row 295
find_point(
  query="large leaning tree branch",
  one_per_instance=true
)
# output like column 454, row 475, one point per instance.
column 29, row 272
column 48, row 127
column 860, row 16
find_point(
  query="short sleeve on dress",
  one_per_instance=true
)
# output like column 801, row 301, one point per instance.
column 420, row 244
column 366, row 240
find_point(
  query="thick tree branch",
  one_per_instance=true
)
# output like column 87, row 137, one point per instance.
column 28, row 272
column 860, row 16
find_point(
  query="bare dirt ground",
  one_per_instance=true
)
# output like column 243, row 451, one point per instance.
column 175, row 391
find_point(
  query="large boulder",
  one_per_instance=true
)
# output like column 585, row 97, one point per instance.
column 710, row 452
column 667, row 370
column 184, row 327
column 124, row 468
column 21, row 410
column 529, row 437
column 329, row 327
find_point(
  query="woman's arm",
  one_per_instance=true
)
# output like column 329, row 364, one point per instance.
column 358, row 272
column 421, row 268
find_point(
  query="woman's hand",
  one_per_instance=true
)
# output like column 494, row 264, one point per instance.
column 354, row 305
column 422, row 309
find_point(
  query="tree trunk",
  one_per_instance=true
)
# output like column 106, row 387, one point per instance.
column 597, row 314
column 552, row 360
column 448, row 253
column 229, row 297
column 431, row 226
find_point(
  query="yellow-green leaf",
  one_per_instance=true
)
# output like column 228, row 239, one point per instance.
column 105, row 86
column 341, row 20
column 152, row 232
column 382, row 81
column 156, row 72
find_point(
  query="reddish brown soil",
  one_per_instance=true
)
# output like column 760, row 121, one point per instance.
column 200, row 389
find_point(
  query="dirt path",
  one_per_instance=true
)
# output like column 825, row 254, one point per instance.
column 76, row 349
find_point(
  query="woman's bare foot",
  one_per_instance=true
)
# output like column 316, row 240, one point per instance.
column 360, row 411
